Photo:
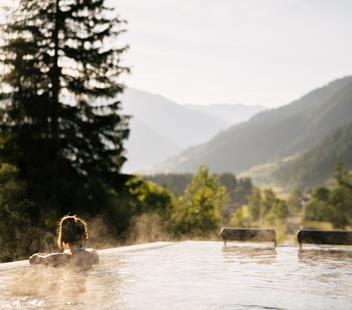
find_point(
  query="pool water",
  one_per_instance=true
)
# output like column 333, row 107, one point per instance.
column 189, row 275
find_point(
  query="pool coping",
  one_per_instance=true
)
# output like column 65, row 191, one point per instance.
column 102, row 252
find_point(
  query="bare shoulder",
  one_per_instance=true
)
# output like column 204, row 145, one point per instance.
column 87, row 257
column 53, row 259
column 94, row 255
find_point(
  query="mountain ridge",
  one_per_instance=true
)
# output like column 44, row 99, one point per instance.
column 311, row 168
column 161, row 128
column 274, row 134
column 233, row 113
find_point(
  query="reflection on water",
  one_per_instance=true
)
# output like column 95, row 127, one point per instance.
column 329, row 254
column 189, row 275
column 249, row 254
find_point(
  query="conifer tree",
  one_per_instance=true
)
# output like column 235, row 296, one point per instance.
column 60, row 121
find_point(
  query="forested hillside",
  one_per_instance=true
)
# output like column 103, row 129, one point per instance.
column 273, row 134
column 318, row 164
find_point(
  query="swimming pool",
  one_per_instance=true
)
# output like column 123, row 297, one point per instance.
column 188, row 275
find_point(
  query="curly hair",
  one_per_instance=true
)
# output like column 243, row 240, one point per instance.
column 71, row 229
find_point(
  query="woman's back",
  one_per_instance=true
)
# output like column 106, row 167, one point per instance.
column 84, row 257
column 72, row 235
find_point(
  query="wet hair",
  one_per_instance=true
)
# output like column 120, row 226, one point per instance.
column 71, row 229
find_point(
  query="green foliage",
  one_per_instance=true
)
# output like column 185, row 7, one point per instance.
column 339, row 214
column 202, row 202
column 140, row 200
column 118, row 212
column 278, row 212
column 341, row 198
column 268, row 201
column 294, row 201
column 263, row 209
column 255, row 204
column 342, row 176
column 335, row 205
column 318, row 208
column 148, row 196
column 242, row 218
column 238, row 189
column 272, row 209
column 198, row 211
column 18, row 234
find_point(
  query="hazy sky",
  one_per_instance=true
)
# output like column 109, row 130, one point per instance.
column 267, row 52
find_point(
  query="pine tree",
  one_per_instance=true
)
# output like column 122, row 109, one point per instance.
column 60, row 121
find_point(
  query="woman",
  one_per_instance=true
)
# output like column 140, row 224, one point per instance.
column 72, row 234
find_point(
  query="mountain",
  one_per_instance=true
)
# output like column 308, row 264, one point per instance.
column 273, row 134
column 318, row 164
column 311, row 168
column 233, row 113
column 146, row 147
column 177, row 123
column 160, row 128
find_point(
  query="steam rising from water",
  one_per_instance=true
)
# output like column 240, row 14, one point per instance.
column 147, row 227
column 99, row 236
column 37, row 285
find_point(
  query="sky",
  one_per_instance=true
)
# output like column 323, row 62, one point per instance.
column 266, row 52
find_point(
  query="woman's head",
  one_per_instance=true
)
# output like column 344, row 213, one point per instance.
column 71, row 230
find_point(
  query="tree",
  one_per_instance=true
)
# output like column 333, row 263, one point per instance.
column 147, row 196
column 263, row 209
column 341, row 198
column 268, row 201
column 335, row 205
column 242, row 218
column 254, row 204
column 318, row 208
column 198, row 211
column 342, row 176
column 243, row 190
column 294, row 201
column 18, row 236
column 278, row 212
column 230, row 182
column 59, row 117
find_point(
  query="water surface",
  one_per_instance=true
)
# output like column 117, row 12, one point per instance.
column 189, row 275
